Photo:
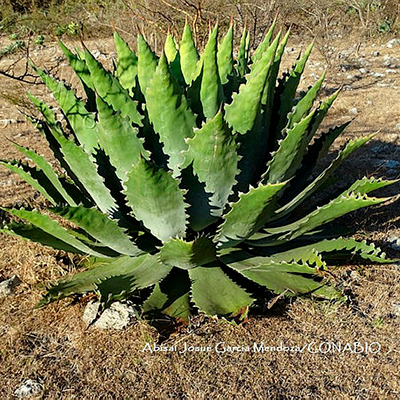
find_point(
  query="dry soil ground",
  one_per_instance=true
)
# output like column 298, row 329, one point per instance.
column 54, row 347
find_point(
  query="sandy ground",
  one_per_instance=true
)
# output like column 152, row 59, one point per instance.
column 54, row 347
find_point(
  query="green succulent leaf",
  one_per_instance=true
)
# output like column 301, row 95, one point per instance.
column 289, row 88
column 156, row 200
column 211, row 94
column 225, row 56
column 292, row 279
column 147, row 63
column 111, row 91
column 242, row 58
column 33, row 177
column 187, row 255
column 119, row 139
column 82, row 122
column 170, row 48
column 44, row 166
column 52, row 228
column 242, row 113
column 342, row 205
column 286, row 160
column 213, row 153
column 82, row 71
column 172, row 119
column 248, row 214
column 127, row 64
column 322, row 178
column 38, row 235
column 124, row 275
column 100, row 227
column 189, row 56
column 214, row 293
column 170, row 296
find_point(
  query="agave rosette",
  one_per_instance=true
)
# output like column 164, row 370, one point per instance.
column 187, row 175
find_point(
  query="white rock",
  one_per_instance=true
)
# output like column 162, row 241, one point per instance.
column 29, row 388
column 391, row 43
column 7, row 287
column 117, row 316
column 363, row 71
column 376, row 54
column 391, row 71
column 397, row 127
column 396, row 308
column 377, row 75
column 353, row 111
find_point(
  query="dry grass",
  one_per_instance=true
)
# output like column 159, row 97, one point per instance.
column 54, row 347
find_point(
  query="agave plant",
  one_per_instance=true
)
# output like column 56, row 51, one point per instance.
column 190, row 178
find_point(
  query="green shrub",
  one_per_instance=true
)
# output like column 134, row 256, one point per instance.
column 190, row 178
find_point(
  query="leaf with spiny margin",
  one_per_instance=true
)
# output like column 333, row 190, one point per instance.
column 170, row 48
column 284, row 277
column 82, row 71
column 200, row 211
column 289, row 89
column 118, row 138
column 156, row 200
column 237, row 258
column 100, row 227
column 331, row 249
column 304, row 105
column 225, row 56
column 242, row 57
column 82, row 122
column 214, row 293
column 268, row 96
column 33, row 177
column 211, row 93
column 213, row 152
column 41, row 162
column 320, row 114
column 52, row 227
column 187, row 255
column 123, row 273
column 172, row 119
column 323, row 177
column 263, row 46
column 147, row 63
column 111, row 91
column 242, row 113
column 341, row 205
column 170, row 296
column 84, row 172
column 189, row 56
column 366, row 185
column 286, row 160
column 127, row 64
column 35, row 234
column 248, row 214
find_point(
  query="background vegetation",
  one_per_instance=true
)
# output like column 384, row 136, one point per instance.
column 322, row 18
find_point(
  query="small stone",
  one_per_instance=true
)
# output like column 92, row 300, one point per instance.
column 117, row 316
column 391, row 71
column 391, row 43
column 355, row 275
column 396, row 308
column 397, row 127
column 7, row 287
column 377, row 75
column 353, row 111
column 376, row 53
column 29, row 388
column 363, row 71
